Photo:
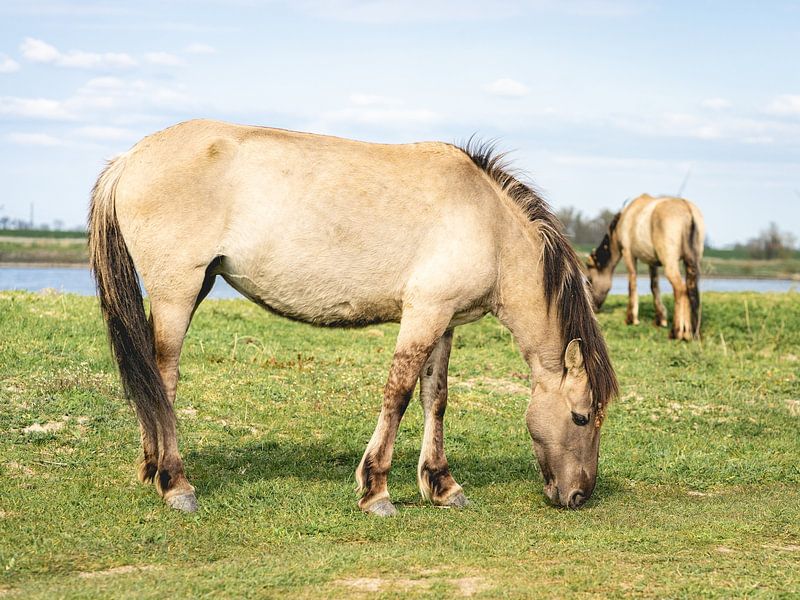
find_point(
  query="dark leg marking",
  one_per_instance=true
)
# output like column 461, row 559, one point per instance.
column 376, row 463
column 661, row 312
column 692, row 290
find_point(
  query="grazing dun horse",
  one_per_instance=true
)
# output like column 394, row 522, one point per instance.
column 340, row 233
column 660, row 231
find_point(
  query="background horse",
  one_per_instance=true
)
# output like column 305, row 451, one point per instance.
column 335, row 232
column 660, row 231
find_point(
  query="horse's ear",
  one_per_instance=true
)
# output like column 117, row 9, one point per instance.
column 573, row 356
column 590, row 262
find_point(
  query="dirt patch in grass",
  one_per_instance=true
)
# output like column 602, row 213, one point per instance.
column 15, row 467
column 377, row 584
column 786, row 548
column 465, row 586
column 469, row 586
column 113, row 571
column 50, row 427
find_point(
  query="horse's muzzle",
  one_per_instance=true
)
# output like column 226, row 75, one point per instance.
column 575, row 498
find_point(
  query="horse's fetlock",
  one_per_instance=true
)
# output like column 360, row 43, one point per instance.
column 435, row 482
column 146, row 471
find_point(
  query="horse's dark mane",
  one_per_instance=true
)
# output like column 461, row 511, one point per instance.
column 602, row 254
column 564, row 282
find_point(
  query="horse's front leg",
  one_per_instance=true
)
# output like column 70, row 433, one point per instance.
column 433, row 473
column 632, row 316
column 419, row 333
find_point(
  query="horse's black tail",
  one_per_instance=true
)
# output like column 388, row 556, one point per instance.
column 121, row 304
column 692, row 255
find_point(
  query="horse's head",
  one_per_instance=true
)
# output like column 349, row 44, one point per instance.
column 599, row 280
column 565, row 430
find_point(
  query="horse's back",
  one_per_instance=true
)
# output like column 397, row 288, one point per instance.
column 663, row 229
column 315, row 227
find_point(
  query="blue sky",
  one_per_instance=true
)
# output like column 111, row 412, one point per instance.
column 600, row 100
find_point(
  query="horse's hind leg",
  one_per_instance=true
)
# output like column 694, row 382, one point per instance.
column 661, row 310
column 632, row 316
column 420, row 330
column 171, row 310
column 433, row 473
column 681, row 327
column 693, row 292
column 148, row 466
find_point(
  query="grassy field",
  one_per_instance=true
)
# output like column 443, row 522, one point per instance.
column 68, row 250
column 698, row 496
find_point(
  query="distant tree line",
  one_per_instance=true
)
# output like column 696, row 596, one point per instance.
column 7, row 223
column 582, row 229
column 771, row 243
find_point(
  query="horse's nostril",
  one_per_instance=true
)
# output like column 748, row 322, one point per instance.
column 576, row 499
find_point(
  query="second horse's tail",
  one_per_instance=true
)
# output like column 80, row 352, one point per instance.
column 692, row 257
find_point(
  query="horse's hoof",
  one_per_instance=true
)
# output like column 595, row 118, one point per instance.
column 382, row 508
column 457, row 500
column 184, row 502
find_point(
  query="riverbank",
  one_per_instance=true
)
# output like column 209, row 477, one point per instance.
column 32, row 251
column 76, row 279
column 61, row 251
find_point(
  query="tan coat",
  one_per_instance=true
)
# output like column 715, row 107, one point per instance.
column 660, row 231
column 342, row 233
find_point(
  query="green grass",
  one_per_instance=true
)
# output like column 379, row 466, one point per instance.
column 698, row 496
column 43, row 233
column 43, row 250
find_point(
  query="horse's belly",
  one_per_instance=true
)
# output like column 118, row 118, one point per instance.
column 314, row 298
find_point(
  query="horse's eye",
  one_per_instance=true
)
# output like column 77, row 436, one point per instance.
column 579, row 419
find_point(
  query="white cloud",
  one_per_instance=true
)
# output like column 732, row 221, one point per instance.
column 716, row 103
column 35, row 108
column 127, row 98
column 34, row 139
column 714, row 126
column 107, row 100
column 164, row 59
column 7, row 64
column 672, row 125
column 509, row 88
column 40, row 51
column 200, row 49
column 785, row 105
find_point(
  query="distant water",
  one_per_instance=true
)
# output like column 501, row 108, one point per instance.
column 79, row 281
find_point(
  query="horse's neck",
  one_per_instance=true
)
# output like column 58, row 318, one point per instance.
column 615, row 250
column 523, row 310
